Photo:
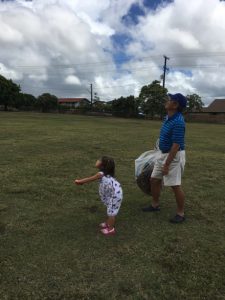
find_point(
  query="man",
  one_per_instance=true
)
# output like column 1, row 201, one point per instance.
column 170, row 165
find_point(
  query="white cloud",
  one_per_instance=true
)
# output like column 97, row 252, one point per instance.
column 10, row 35
column 9, row 73
column 55, row 44
column 109, row 89
column 97, row 27
column 178, row 30
column 72, row 79
column 41, row 39
column 178, row 81
column 38, row 77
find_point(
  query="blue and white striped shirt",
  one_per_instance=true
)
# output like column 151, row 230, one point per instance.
column 172, row 131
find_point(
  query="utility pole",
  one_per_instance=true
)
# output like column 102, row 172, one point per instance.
column 165, row 69
column 91, row 95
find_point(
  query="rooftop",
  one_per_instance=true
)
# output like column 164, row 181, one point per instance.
column 72, row 100
column 217, row 106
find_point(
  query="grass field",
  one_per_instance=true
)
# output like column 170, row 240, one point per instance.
column 50, row 247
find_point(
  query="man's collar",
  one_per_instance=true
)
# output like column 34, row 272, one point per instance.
column 173, row 116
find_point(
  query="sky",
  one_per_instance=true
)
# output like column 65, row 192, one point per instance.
column 62, row 46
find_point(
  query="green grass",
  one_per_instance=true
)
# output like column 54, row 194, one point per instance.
column 50, row 247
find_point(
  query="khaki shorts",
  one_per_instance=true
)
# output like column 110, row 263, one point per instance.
column 176, row 169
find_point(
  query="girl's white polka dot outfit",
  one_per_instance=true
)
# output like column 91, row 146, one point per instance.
column 111, row 194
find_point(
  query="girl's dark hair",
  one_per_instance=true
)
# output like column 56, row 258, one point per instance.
column 108, row 166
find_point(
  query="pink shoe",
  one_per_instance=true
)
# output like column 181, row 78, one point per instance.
column 107, row 231
column 103, row 225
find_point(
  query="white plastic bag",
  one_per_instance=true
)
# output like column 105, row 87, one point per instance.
column 145, row 160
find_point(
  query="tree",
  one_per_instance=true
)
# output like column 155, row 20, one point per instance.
column 25, row 101
column 96, row 97
column 127, row 107
column 47, row 102
column 9, row 91
column 99, row 105
column 152, row 99
column 194, row 103
column 84, row 106
column 108, row 107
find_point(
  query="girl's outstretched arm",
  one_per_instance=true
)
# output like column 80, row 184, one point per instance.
column 89, row 179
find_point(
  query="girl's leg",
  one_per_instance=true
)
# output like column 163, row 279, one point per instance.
column 112, row 211
column 111, row 222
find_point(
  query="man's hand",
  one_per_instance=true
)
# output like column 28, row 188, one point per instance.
column 165, row 170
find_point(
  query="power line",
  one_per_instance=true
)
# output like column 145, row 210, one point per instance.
column 129, row 71
column 113, row 86
column 96, row 88
column 172, row 56
column 200, row 66
column 172, row 68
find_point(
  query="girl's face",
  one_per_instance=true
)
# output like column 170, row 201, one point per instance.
column 98, row 164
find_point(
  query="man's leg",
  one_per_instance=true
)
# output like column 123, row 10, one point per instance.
column 179, row 195
column 156, row 186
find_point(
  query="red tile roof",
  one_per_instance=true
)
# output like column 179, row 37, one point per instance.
column 72, row 100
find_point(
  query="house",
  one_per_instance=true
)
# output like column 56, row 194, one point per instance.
column 74, row 102
column 216, row 107
column 99, row 102
column 214, row 113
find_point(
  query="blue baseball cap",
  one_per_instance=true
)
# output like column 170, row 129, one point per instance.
column 179, row 98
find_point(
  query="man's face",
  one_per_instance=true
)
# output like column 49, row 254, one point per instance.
column 171, row 105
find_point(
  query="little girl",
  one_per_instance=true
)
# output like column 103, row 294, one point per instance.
column 110, row 191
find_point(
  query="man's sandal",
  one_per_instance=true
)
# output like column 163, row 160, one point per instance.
column 151, row 209
column 177, row 219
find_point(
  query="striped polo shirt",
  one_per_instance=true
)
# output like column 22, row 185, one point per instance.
column 172, row 131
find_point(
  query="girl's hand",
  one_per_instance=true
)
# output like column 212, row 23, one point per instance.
column 78, row 182
column 88, row 179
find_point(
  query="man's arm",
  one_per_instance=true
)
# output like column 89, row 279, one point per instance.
column 177, row 138
column 170, row 158
column 88, row 179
